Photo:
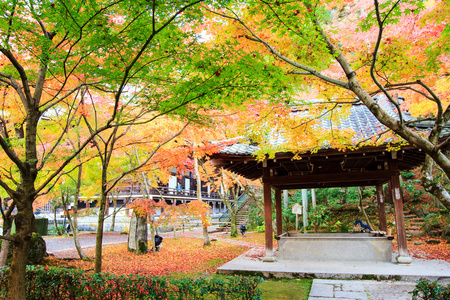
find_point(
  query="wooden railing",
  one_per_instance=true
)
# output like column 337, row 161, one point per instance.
column 168, row 192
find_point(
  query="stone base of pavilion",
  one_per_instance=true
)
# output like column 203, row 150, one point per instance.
column 250, row 264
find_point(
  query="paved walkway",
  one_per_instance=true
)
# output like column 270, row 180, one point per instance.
column 64, row 247
column 251, row 263
column 323, row 289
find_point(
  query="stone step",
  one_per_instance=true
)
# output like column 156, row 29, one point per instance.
column 415, row 233
column 413, row 228
column 416, row 223
column 416, row 220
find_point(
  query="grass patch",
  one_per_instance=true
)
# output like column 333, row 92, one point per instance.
column 279, row 289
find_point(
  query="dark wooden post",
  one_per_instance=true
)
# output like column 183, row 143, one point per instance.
column 403, row 256
column 267, row 214
column 381, row 208
column 279, row 211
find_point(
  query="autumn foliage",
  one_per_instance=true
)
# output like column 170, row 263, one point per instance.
column 145, row 207
column 177, row 257
column 419, row 248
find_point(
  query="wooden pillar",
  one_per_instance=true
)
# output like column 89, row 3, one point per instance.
column 279, row 211
column 381, row 208
column 267, row 214
column 403, row 256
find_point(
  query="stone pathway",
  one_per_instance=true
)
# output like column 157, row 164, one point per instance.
column 324, row 289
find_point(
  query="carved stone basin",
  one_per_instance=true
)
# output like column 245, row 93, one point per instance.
column 335, row 247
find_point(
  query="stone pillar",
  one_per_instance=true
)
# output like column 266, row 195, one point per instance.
column 381, row 208
column 267, row 214
column 403, row 256
column 279, row 211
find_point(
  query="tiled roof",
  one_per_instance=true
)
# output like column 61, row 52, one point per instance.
column 360, row 119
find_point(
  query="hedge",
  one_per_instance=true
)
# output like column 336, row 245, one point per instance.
column 430, row 291
column 44, row 282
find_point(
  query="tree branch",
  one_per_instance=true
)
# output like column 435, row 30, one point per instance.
column 8, row 238
column 374, row 60
column 254, row 37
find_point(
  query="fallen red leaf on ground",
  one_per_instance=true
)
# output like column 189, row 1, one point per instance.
column 177, row 256
column 428, row 251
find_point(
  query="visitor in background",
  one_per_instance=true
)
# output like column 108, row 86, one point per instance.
column 243, row 229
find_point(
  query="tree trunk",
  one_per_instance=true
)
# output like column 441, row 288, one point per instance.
column 24, row 221
column 5, row 247
column 206, row 241
column 305, row 208
column 313, row 198
column 233, row 227
column 433, row 186
column 55, row 222
column 7, row 227
column 74, row 224
column 99, row 237
column 113, row 221
column 285, row 199
column 362, row 208
column 152, row 235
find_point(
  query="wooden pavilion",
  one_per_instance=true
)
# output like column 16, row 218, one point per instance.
column 367, row 166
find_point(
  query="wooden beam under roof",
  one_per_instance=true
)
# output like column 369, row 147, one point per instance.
column 330, row 178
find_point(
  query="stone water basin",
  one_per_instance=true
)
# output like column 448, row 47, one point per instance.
column 335, row 247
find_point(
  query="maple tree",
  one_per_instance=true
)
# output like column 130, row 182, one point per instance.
column 199, row 210
column 224, row 183
column 118, row 139
column 175, row 216
column 123, row 54
column 357, row 49
column 145, row 209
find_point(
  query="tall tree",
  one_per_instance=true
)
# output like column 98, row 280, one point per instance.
column 123, row 53
column 359, row 49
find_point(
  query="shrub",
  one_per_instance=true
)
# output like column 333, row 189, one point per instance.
column 261, row 228
column 318, row 215
column 430, row 291
column 60, row 283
